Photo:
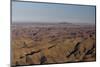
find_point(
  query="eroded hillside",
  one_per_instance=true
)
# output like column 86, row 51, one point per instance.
column 52, row 44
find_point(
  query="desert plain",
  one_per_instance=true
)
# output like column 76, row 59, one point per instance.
column 50, row 43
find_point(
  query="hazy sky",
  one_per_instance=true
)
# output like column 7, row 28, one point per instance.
column 42, row 12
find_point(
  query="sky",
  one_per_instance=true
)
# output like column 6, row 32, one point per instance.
column 50, row 12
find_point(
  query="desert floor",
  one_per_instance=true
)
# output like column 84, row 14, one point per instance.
column 47, row 43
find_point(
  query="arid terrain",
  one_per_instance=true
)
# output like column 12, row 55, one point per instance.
column 47, row 43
